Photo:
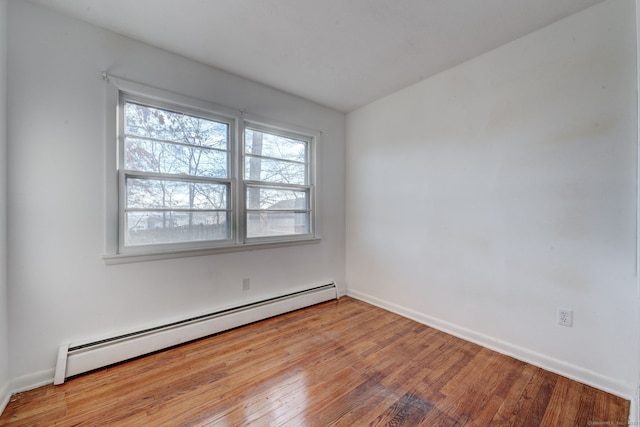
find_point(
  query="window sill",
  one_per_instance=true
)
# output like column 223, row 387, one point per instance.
column 113, row 259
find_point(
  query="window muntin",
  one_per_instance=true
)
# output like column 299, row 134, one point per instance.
column 178, row 159
column 276, row 198
column 163, row 141
column 164, row 125
column 278, row 190
column 167, row 194
column 145, row 228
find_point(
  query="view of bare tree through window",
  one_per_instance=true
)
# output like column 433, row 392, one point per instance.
column 277, row 173
column 176, row 177
column 196, row 178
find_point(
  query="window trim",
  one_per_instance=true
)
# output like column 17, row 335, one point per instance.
column 115, row 252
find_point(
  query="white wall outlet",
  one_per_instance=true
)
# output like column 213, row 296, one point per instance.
column 565, row 317
column 246, row 284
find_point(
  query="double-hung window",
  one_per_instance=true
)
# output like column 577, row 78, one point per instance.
column 277, row 173
column 195, row 178
column 175, row 176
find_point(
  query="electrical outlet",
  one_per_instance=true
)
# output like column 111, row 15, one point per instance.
column 565, row 317
column 246, row 284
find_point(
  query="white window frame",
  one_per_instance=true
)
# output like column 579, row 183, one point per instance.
column 309, row 186
column 116, row 252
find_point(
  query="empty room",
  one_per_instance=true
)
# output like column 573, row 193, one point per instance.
column 337, row 212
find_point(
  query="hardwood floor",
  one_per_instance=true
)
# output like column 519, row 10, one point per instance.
column 340, row 363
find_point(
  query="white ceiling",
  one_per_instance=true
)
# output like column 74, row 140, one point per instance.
column 339, row 53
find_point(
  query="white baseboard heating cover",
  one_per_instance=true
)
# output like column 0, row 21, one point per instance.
column 74, row 359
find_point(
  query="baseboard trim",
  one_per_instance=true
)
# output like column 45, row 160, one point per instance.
column 548, row 363
column 609, row 385
column 5, row 396
column 634, row 411
column 31, row 381
column 24, row 383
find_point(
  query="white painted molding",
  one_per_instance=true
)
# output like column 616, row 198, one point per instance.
column 31, row 381
column 548, row 363
column 61, row 365
column 5, row 396
column 634, row 411
column 38, row 379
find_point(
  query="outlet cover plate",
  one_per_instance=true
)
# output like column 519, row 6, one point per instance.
column 565, row 317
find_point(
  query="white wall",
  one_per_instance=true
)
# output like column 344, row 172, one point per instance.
column 637, row 391
column 482, row 199
column 4, row 318
column 60, row 288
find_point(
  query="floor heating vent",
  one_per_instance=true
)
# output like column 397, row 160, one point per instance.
column 74, row 359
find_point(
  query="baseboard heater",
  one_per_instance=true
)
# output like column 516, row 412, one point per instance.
column 74, row 359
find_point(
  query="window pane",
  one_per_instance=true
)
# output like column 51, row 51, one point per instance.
column 263, row 224
column 154, row 156
column 269, row 198
column 275, row 171
column 269, row 145
column 149, row 228
column 152, row 193
column 155, row 123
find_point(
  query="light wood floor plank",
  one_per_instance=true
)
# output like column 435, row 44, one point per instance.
column 340, row 363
